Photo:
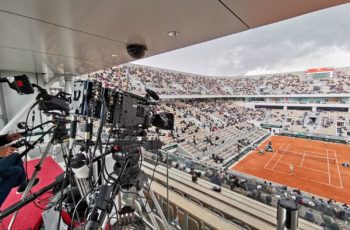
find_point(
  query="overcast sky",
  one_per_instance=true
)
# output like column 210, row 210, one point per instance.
column 319, row 39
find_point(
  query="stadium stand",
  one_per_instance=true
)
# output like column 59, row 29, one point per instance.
column 331, row 123
column 167, row 82
column 215, row 133
column 218, row 128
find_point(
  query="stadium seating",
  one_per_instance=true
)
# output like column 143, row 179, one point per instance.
column 217, row 132
column 220, row 128
column 330, row 123
column 167, row 82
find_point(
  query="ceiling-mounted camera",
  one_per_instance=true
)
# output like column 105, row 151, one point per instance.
column 136, row 51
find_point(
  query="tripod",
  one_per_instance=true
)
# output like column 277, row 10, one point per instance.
column 58, row 136
column 13, row 208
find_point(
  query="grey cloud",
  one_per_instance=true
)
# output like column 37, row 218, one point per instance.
column 270, row 47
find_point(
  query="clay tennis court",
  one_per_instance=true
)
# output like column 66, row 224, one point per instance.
column 316, row 166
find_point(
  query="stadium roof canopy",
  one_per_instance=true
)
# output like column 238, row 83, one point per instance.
column 80, row 36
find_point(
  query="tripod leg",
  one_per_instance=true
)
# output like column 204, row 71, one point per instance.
column 64, row 152
column 31, row 181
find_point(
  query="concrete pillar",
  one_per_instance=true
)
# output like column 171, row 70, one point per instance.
column 314, row 108
column 12, row 124
column 68, row 84
column 3, row 114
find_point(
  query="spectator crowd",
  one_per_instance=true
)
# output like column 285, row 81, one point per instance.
column 136, row 78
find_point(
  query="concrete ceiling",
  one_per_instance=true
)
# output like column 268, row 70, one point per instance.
column 74, row 37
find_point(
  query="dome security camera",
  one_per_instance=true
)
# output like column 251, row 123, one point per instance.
column 136, row 51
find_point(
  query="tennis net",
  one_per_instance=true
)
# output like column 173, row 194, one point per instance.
column 307, row 156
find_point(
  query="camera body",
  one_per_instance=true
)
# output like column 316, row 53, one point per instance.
column 122, row 109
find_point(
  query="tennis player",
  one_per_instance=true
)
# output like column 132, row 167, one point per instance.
column 291, row 169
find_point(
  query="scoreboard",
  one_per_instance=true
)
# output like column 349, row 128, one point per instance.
column 320, row 72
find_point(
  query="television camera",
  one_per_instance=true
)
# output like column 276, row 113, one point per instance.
column 19, row 83
column 125, row 117
column 123, row 109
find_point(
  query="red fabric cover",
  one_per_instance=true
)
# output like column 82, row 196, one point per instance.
column 30, row 215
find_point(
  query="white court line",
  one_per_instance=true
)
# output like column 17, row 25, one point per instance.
column 336, row 161
column 329, row 172
column 308, row 146
column 275, row 170
column 272, row 157
column 307, row 153
column 312, row 169
column 304, row 178
column 332, row 150
column 280, row 157
column 302, row 161
column 319, row 154
column 325, row 184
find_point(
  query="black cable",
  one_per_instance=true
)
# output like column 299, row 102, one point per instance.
column 25, row 138
column 104, row 170
column 63, row 156
column 41, row 117
column 104, row 162
column 122, row 173
column 124, row 169
column 130, row 140
column 90, row 176
column 103, row 156
column 76, row 206
column 152, row 178
column 147, row 197
column 72, row 195
column 132, row 147
column 116, row 211
column 37, row 205
column 60, row 205
column 27, row 117
column 65, row 175
column 98, row 140
column 102, row 153
column 97, row 144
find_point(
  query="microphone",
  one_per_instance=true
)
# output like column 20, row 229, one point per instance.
column 152, row 94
